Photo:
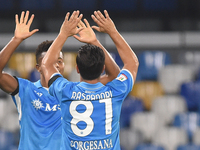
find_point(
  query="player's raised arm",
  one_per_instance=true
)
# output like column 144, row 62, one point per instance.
column 105, row 24
column 7, row 82
column 68, row 28
column 88, row 36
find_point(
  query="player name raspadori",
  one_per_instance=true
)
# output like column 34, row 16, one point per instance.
column 93, row 96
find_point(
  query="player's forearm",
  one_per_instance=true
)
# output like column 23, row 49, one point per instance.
column 54, row 50
column 51, row 57
column 7, row 51
column 126, row 53
column 111, row 68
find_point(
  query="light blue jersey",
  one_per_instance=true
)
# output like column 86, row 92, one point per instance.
column 39, row 117
column 91, row 112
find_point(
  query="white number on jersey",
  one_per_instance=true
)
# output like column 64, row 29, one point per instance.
column 85, row 117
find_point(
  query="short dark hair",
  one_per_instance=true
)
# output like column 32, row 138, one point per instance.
column 43, row 47
column 90, row 61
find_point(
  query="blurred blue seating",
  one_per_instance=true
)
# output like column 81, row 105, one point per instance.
column 37, row 4
column 191, row 92
column 196, row 136
column 190, row 58
column 130, row 138
column 189, row 147
column 88, row 5
column 150, row 64
column 170, row 137
column 6, row 5
column 160, row 5
column 188, row 121
column 198, row 75
column 117, row 59
column 6, row 140
column 149, row 147
column 167, row 106
column 119, row 5
column 130, row 105
column 34, row 75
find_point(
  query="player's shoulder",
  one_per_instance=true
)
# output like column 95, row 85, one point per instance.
column 124, row 75
column 25, row 82
column 60, row 80
column 124, row 79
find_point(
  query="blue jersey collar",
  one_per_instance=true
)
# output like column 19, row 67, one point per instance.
column 38, row 84
column 89, row 86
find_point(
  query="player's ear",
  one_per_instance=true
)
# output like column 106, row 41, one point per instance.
column 103, row 68
column 77, row 69
column 37, row 67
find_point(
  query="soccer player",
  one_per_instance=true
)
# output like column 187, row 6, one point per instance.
column 39, row 112
column 90, row 110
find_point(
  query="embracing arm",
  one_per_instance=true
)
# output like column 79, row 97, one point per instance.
column 7, row 82
column 88, row 36
column 68, row 28
column 127, row 55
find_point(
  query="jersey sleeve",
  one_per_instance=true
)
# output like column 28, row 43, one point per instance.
column 20, row 94
column 57, row 86
column 17, row 89
column 123, row 84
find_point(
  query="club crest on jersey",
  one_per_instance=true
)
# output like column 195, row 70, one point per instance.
column 122, row 77
column 37, row 104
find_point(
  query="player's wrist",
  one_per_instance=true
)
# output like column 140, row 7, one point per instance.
column 94, row 42
column 113, row 32
column 63, row 35
column 17, row 39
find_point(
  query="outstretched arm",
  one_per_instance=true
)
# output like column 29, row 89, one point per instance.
column 7, row 82
column 87, row 35
column 68, row 28
column 105, row 24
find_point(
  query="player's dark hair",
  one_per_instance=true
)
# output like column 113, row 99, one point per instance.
column 90, row 61
column 43, row 47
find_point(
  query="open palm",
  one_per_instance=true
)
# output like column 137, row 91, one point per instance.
column 86, row 35
column 22, row 29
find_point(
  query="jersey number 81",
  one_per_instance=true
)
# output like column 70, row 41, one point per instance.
column 85, row 117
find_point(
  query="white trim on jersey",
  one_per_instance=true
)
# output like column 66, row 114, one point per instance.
column 131, row 76
column 18, row 103
column 54, row 74
column 129, row 73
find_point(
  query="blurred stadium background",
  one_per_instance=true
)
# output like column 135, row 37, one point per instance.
column 163, row 110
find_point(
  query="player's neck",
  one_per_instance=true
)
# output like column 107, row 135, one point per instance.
column 90, row 81
column 42, row 81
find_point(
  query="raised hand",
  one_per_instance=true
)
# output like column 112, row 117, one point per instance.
column 105, row 24
column 86, row 35
column 22, row 29
column 69, row 26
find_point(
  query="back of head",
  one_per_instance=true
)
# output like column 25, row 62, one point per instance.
column 90, row 61
column 43, row 47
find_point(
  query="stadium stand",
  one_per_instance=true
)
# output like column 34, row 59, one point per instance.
column 130, row 106
column 170, row 137
column 191, row 92
column 147, row 91
column 150, row 64
column 187, row 121
column 167, row 106
column 172, row 76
